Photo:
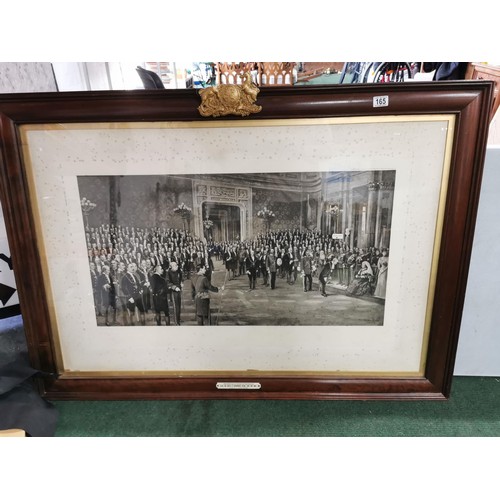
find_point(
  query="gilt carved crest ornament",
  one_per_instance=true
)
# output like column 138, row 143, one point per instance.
column 230, row 99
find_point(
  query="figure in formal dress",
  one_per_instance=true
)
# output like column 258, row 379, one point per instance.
column 200, row 290
column 174, row 286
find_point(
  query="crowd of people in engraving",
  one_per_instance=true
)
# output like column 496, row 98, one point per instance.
column 138, row 274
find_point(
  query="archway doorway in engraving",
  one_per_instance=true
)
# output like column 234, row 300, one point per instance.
column 226, row 220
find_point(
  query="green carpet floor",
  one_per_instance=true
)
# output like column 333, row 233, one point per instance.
column 472, row 410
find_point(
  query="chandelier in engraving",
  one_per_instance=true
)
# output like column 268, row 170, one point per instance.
column 87, row 207
column 185, row 213
column 267, row 216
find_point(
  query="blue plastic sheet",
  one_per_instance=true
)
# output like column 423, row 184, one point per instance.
column 21, row 407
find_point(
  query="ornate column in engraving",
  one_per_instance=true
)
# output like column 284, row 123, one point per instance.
column 349, row 234
column 379, row 213
column 386, row 196
column 200, row 195
column 371, row 213
column 378, row 216
column 112, row 200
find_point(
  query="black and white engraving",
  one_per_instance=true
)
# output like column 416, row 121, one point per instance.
column 295, row 248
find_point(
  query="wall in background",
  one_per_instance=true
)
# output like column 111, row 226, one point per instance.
column 96, row 76
column 114, row 75
column 494, row 132
column 479, row 343
column 27, row 77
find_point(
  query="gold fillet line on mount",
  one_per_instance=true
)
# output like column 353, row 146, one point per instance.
column 230, row 99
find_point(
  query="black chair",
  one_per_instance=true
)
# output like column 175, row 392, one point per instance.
column 150, row 79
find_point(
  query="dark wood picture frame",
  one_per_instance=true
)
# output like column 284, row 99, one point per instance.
column 468, row 102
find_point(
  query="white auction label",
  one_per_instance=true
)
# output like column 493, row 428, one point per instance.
column 238, row 385
column 381, row 101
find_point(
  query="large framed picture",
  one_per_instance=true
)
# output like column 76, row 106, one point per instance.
column 316, row 249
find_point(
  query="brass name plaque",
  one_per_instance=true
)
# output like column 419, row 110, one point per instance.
column 238, row 385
